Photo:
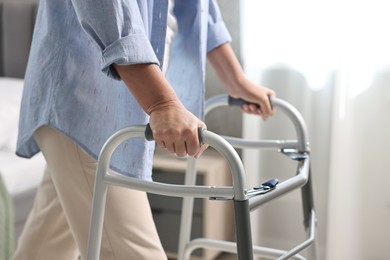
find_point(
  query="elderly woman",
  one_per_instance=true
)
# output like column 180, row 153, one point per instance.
column 96, row 66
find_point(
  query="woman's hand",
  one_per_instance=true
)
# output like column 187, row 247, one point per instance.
column 258, row 95
column 229, row 71
column 174, row 127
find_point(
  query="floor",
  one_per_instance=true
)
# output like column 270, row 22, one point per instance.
column 227, row 256
column 223, row 256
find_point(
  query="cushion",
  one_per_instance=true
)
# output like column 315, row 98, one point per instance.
column 10, row 98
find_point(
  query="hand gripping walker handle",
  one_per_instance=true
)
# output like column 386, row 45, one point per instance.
column 149, row 134
column 239, row 102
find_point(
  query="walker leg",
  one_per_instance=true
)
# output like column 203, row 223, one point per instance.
column 308, row 211
column 308, row 201
column 187, row 210
column 97, row 218
column 243, row 230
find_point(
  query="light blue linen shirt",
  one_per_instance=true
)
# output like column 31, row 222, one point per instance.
column 70, row 84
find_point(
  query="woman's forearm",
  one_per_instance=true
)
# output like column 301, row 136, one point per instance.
column 231, row 74
column 148, row 85
column 174, row 127
column 227, row 67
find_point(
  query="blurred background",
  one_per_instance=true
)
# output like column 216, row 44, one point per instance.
column 331, row 60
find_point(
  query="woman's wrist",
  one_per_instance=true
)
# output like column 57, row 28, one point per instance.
column 163, row 104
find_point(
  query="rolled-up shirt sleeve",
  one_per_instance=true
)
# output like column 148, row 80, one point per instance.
column 217, row 32
column 118, row 29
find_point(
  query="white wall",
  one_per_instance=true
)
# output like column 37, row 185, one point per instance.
column 334, row 67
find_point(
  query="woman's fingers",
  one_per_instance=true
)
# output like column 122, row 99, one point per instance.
column 264, row 110
column 176, row 130
column 181, row 143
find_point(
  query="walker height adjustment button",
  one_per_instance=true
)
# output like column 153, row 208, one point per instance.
column 263, row 188
column 268, row 185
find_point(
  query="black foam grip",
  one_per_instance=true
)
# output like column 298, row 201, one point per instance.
column 239, row 102
column 149, row 134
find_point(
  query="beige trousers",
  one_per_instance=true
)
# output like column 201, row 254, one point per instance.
column 57, row 227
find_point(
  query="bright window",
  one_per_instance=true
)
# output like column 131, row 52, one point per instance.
column 316, row 37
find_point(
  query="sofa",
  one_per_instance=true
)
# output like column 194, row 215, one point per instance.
column 20, row 177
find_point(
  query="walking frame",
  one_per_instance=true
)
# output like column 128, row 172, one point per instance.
column 244, row 200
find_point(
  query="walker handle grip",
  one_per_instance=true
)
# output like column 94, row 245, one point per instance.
column 149, row 134
column 239, row 102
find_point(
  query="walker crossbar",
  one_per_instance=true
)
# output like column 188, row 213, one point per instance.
column 165, row 189
column 227, row 246
column 264, row 144
column 291, row 184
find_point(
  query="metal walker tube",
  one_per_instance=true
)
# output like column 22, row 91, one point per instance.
column 104, row 178
column 238, row 192
column 301, row 145
column 292, row 113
